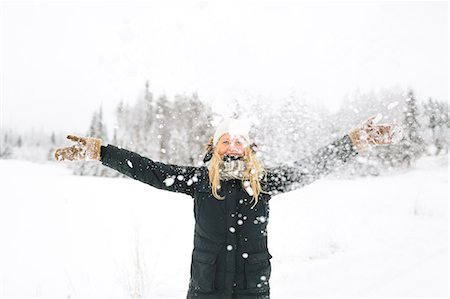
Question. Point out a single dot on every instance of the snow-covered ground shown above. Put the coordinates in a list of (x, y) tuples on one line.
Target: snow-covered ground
[(84, 237)]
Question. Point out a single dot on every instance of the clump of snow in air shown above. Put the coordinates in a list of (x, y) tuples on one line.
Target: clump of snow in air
[(239, 128), (163, 150), (396, 133), (189, 182), (263, 277), (230, 247), (245, 255), (240, 222), (232, 229), (130, 164), (377, 118), (180, 177), (249, 190), (392, 105), (169, 181)]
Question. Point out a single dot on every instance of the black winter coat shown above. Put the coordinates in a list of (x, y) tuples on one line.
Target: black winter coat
[(230, 258)]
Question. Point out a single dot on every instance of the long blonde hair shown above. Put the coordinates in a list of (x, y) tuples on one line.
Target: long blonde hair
[(253, 171)]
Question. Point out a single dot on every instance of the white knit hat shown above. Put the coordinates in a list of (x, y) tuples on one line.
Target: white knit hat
[(234, 127)]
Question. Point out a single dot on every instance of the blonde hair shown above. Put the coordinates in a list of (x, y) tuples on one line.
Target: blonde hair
[(252, 173)]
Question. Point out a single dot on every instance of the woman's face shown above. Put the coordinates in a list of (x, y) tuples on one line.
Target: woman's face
[(231, 146)]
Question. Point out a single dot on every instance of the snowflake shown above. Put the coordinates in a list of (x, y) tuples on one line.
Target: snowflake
[(129, 163), (169, 181)]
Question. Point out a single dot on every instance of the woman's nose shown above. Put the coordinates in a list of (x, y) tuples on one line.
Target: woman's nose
[(234, 145), (234, 148)]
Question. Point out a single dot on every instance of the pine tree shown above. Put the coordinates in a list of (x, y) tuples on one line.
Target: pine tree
[(19, 142), (51, 151), (430, 112), (436, 114), (147, 126), (163, 130), (122, 126), (5, 148), (413, 144), (200, 129), (97, 129)]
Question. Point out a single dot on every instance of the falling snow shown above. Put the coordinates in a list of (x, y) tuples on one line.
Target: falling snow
[(392, 105), (169, 181), (130, 164)]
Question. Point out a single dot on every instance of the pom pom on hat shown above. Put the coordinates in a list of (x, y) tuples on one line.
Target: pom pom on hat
[(234, 127)]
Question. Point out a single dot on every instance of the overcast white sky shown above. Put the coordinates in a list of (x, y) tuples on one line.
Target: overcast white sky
[(61, 60)]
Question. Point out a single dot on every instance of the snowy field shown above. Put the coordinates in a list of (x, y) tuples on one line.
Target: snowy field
[(64, 236)]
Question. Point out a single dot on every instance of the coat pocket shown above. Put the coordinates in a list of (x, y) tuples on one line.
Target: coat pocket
[(258, 269), (203, 270)]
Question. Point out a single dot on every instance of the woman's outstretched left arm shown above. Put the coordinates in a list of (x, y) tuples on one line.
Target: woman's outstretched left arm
[(303, 172), (328, 158)]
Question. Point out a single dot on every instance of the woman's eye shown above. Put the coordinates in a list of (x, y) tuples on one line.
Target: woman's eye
[(225, 142)]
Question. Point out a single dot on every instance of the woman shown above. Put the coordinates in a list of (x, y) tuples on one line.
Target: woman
[(231, 195)]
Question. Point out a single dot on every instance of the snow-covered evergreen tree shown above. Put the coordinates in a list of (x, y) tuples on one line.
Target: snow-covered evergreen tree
[(199, 129), (413, 144), (5, 147), (96, 129), (163, 116), (147, 127), (437, 115)]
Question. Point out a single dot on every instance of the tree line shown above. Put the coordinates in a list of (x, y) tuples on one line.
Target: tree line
[(176, 130)]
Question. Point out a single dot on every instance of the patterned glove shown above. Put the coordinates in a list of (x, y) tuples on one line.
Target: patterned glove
[(368, 134), (87, 148)]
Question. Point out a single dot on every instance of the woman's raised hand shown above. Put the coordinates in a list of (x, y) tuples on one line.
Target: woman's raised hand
[(368, 133), (87, 148)]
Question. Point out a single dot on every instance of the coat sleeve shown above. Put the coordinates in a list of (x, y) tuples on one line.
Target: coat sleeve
[(162, 176), (286, 178)]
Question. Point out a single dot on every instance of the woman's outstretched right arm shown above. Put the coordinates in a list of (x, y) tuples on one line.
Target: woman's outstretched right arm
[(162, 176)]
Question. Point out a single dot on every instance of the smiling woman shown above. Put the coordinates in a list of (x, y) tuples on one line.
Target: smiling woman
[(231, 194)]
